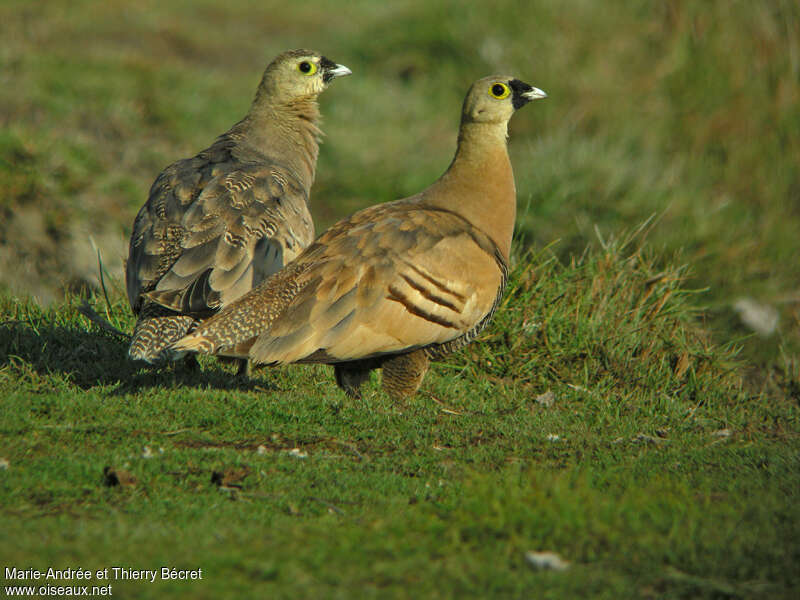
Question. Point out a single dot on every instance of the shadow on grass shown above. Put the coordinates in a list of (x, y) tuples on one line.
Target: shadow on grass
[(43, 355)]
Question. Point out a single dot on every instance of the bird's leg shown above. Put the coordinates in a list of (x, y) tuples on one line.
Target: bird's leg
[(351, 375), (245, 368), (403, 374), (190, 362)]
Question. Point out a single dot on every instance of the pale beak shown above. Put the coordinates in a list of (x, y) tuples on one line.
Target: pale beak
[(339, 71), (330, 70), (533, 94)]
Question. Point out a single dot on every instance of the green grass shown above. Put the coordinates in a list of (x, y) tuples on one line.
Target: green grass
[(667, 478), (675, 470)]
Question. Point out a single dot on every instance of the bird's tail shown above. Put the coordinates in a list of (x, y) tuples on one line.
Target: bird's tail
[(234, 329), (155, 332)]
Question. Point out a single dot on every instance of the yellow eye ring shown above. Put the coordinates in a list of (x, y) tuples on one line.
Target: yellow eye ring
[(499, 91), (307, 67)]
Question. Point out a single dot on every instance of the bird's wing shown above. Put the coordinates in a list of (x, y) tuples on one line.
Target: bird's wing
[(211, 231), (391, 278)]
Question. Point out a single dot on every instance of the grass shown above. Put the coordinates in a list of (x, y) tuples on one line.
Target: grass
[(653, 470), (666, 465)]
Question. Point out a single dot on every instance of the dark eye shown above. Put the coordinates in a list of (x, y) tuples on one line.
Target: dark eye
[(499, 91), (307, 68)]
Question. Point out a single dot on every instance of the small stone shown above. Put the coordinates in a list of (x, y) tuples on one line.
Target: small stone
[(546, 561), (547, 399), (297, 453), (761, 318)]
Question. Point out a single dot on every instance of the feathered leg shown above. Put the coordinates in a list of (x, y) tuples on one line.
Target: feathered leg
[(245, 368), (403, 374), (350, 376)]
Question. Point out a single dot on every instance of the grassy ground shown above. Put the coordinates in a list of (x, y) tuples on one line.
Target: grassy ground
[(649, 468), (675, 469)]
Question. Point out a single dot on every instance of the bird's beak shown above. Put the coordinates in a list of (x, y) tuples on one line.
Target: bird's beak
[(339, 71), (330, 70), (533, 94)]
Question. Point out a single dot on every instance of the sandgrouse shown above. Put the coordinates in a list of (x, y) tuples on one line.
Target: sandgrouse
[(216, 225), (397, 284)]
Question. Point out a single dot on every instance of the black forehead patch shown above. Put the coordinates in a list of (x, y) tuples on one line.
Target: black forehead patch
[(519, 88), (327, 66)]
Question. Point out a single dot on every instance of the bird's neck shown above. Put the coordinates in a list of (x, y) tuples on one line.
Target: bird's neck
[(287, 134), (479, 184)]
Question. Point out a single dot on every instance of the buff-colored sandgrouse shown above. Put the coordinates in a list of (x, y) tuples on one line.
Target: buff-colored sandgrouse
[(396, 284), (216, 225)]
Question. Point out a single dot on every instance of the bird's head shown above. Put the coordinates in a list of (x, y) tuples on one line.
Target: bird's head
[(494, 99), (299, 74)]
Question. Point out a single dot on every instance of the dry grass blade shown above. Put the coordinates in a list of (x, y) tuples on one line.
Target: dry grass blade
[(88, 312), (443, 407)]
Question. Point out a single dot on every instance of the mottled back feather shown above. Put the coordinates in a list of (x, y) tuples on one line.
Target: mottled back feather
[(216, 225)]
